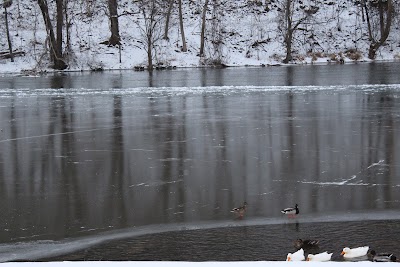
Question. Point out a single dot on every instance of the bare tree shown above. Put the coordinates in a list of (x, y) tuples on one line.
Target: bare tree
[(212, 38), (293, 17), (181, 25), (203, 28), (216, 33), (184, 47), (150, 28), (257, 27), (55, 44), (379, 15), (7, 4)]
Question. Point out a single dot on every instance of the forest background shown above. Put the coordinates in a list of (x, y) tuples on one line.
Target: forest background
[(40, 35)]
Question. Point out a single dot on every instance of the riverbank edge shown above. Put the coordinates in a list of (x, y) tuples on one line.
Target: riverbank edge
[(27, 72)]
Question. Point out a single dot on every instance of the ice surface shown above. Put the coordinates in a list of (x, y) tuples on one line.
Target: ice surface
[(161, 91)]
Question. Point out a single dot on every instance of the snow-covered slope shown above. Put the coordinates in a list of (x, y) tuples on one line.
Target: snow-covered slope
[(249, 33)]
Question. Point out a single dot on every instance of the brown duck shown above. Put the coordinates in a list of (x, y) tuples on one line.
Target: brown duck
[(240, 210)]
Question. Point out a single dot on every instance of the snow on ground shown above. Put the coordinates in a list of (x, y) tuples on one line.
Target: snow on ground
[(197, 264), (250, 38)]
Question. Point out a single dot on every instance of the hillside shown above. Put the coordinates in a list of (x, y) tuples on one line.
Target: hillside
[(238, 33)]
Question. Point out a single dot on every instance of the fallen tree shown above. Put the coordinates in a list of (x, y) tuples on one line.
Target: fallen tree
[(7, 55)]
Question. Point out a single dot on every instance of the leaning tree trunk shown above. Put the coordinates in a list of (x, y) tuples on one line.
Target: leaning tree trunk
[(203, 29), (184, 47), (168, 16), (115, 38), (54, 52), (6, 4)]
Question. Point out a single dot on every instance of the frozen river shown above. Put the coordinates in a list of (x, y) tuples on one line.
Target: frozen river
[(92, 158)]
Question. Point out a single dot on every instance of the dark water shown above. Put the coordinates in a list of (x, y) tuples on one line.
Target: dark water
[(164, 154), (255, 243)]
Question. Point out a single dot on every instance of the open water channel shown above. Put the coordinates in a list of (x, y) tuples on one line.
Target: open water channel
[(136, 166)]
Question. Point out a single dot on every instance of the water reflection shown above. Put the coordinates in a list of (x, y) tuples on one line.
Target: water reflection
[(72, 165)]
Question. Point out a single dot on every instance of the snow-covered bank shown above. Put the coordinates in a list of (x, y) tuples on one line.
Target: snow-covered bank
[(196, 264), (250, 36)]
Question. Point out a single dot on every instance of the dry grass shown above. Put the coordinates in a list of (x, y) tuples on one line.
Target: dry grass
[(353, 54)]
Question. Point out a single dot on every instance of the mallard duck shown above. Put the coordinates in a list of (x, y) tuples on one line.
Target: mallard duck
[(297, 256), (324, 256), (381, 257), (349, 253), (291, 212), (240, 210), (299, 243)]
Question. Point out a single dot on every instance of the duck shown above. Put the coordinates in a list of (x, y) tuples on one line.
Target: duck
[(297, 256), (299, 243), (324, 256), (291, 212), (240, 210), (349, 253), (381, 257)]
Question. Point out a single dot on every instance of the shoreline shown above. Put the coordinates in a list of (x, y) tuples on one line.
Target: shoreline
[(26, 72)]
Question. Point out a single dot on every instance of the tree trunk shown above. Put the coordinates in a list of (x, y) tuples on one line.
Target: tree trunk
[(381, 17), (58, 62), (149, 53), (115, 38), (166, 29), (151, 29), (288, 44), (289, 32), (67, 27), (59, 27), (203, 29), (384, 29), (368, 21), (8, 34), (184, 47), (49, 27)]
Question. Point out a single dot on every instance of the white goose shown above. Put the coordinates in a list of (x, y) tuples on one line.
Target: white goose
[(297, 256), (349, 253), (324, 256)]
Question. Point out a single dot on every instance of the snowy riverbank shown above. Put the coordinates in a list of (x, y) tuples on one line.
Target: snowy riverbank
[(250, 38)]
